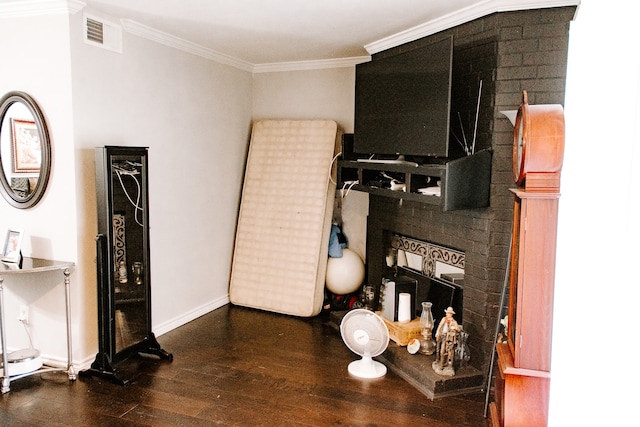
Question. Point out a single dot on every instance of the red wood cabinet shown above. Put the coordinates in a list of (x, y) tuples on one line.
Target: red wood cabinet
[(531, 293), (522, 395), (524, 361)]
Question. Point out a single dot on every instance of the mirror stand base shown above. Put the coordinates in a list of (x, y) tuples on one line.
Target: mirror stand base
[(116, 370), (103, 368), (149, 347)]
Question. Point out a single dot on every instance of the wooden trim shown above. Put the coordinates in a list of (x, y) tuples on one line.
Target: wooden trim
[(505, 363)]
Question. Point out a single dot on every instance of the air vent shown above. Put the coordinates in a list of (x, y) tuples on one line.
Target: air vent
[(102, 33), (95, 31)]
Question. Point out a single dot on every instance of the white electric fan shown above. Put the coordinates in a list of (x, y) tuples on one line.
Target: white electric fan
[(365, 333)]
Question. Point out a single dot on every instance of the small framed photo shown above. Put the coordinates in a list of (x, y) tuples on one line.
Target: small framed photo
[(12, 246)]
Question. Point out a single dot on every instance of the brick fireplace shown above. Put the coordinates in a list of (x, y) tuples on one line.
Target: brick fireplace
[(462, 232), (510, 52)]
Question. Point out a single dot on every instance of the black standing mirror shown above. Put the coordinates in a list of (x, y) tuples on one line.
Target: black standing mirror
[(25, 150), (123, 256)]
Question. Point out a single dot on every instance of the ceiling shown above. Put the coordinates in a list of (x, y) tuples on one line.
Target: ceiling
[(284, 31), (262, 33), (268, 31)]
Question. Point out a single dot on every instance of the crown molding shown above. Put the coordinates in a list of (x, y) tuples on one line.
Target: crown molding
[(310, 65), (462, 16), (166, 39), (18, 8)]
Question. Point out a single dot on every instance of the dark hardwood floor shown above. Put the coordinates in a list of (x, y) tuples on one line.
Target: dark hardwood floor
[(237, 367)]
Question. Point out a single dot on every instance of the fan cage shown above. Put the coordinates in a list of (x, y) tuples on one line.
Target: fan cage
[(369, 322)]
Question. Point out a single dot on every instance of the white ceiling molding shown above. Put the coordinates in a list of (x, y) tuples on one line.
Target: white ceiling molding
[(468, 14), (310, 65), (166, 39), (20, 8)]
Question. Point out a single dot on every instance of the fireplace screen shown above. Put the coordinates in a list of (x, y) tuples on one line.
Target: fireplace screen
[(438, 270)]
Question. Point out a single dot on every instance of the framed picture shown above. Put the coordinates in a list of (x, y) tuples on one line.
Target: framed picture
[(27, 155), (12, 245)]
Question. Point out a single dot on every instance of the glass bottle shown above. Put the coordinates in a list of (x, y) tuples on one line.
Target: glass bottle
[(427, 344), (137, 272), (462, 355)]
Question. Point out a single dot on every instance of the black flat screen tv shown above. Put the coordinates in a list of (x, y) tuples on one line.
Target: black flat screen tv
[(402, 103)]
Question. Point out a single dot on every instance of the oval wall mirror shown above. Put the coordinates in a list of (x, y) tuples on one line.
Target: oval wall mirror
[(25, 150)]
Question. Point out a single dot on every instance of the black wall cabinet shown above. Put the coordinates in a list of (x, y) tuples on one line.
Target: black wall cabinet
[(122, 245)]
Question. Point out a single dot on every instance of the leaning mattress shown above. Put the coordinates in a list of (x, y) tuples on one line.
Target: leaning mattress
[(280, 254)]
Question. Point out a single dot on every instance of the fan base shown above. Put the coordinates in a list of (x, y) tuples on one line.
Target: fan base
[(22, 362), (364, 368)]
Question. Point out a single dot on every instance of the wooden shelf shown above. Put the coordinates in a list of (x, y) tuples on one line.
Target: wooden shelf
[(464, 183)]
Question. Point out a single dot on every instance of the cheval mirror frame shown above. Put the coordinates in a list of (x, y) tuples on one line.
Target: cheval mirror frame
[(122, 246)]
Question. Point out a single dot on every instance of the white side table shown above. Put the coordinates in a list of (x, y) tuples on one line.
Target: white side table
[(31, 266)]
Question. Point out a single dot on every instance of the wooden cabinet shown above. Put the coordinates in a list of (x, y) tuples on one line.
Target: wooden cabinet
[(531, 290), (522, 395), (457, 184), (524, 361)]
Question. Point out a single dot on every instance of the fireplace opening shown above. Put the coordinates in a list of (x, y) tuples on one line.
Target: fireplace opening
[(434, 271)]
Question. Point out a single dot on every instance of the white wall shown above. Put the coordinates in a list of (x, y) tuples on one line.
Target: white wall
[(195, 117), (35, 59), (35, 55), (594, 372), (312, 94), (317, 94)]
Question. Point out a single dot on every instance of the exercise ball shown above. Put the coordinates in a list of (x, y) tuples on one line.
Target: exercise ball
[(345, 274)]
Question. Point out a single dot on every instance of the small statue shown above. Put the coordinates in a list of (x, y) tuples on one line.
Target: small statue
[(446, 340)]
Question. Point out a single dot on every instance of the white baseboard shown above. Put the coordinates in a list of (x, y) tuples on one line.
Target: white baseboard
[(157, 330), (187, 317)]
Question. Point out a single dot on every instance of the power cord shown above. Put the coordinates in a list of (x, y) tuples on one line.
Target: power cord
[(129, 169), (331, 167), (25, 323), (350, 185)]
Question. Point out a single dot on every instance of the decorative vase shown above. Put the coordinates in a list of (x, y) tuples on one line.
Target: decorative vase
[(427, 344), (462, 355)]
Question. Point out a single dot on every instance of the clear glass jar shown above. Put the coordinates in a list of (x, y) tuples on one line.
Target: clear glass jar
[(427, 343)]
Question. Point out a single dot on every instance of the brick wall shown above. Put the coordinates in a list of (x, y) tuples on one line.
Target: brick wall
[(510, 52)]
